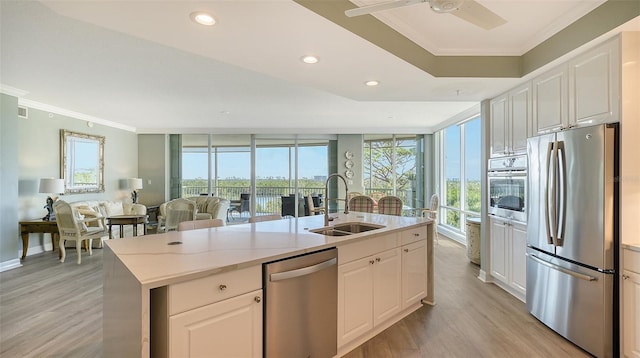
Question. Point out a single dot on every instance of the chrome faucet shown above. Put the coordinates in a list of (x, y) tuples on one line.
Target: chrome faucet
[(326, 197)]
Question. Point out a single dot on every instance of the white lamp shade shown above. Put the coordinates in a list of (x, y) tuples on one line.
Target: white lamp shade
[(51, 186), (135, 183)]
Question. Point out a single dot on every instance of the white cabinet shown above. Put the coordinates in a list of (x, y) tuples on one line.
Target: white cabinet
[(220, 315), (499, 249), (550, 101), (414, 273), (594, 85), (583, 91), (510, 121), (508, 255), (229, 328), (380, 280), (630, 302), (369, 293)]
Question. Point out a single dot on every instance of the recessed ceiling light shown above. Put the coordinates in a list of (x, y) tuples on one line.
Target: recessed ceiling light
[(203, 18), (372, 83), (309, 59)]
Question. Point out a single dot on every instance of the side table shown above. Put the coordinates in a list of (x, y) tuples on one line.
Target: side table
[(122, 220), (38, 226)]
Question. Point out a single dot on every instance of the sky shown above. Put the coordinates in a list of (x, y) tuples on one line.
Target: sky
[(472, 151)]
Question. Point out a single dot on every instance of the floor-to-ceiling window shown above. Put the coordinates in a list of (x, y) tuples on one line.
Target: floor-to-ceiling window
[(221, 165), (393, 166), (459, 182)]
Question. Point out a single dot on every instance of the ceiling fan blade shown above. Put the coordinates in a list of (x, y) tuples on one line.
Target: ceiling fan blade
[(478, 15), (368, 9)]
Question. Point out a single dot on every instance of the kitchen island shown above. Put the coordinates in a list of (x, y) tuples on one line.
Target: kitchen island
[(153, 283)]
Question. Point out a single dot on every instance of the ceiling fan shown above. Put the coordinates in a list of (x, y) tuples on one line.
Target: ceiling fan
[(468, 10)]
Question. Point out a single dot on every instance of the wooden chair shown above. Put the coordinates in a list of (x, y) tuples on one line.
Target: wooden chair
[(432, 213), (390, 205), (177, 211), (361, 203), (312, 209), (255, 219), (72, 226), (199, 224)]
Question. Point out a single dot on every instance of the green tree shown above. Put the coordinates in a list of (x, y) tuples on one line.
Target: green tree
[(378, 159)]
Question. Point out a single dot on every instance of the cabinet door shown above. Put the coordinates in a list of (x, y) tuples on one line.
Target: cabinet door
[(355, 299), (594, 85), (520, 118), (414, 273), (387, 281), (499, 116), (550, 101), (631, 314), (499, 254), (229, 328), (518, 260)]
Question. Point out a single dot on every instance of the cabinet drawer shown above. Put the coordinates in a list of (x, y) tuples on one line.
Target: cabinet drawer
[(366, 247), (631, 260), (203, 291), (413, 235)]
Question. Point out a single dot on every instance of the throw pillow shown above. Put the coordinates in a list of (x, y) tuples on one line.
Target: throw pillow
[(112, 209)]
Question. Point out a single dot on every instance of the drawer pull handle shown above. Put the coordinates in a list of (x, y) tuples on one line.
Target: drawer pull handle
[(625, 277), (377, 259), (406, 250), (222, 287), (372, 262), (416, 234), (257, 299)]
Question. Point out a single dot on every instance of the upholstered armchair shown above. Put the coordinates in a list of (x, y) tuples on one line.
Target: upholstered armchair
[(390, 205), (207, 207), (73, 226)]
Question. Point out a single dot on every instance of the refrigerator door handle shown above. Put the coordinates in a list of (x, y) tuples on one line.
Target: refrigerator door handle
[(562, 269), (554, 194), (547, 193), (562, 195)]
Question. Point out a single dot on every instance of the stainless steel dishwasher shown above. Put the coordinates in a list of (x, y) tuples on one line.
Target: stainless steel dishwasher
[(301, 306)]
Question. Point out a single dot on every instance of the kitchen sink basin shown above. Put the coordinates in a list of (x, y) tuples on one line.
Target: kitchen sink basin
[(346, 229)]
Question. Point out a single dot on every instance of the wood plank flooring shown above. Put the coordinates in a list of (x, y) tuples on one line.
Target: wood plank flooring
[(52, 309)]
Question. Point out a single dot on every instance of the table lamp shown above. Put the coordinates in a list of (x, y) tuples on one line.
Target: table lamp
[(51, 186), (135, 184)]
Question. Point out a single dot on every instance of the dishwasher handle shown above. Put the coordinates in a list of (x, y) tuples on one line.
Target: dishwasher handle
[(279, 276)]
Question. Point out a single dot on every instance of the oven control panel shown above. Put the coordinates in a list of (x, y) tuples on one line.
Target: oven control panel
[(508, 163)]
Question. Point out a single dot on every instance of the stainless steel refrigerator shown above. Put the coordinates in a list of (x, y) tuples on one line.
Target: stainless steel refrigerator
[(572, 235)]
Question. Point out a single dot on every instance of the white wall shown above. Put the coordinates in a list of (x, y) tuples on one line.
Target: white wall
[(38, 152)]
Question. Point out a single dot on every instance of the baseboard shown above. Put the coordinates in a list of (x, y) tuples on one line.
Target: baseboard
[(482, 276), (10, 265)]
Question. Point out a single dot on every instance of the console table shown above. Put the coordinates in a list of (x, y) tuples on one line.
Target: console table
[(38, 226), (127, 220)]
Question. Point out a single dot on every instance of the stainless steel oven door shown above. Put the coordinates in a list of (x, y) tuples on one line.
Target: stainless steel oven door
[(508, 194)]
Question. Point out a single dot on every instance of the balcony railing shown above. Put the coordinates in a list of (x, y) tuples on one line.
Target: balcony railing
[(269, 199)]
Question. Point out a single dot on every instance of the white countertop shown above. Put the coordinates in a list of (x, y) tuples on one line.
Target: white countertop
[(153, 262)]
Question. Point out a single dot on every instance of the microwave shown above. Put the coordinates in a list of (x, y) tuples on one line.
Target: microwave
[(507, 181)]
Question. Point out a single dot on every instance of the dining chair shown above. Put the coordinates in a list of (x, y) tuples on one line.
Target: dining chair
[(390, 205), (269, 217), (312, 209), (177, 211), (73, 226), (199, 224), (432, 213), (361, 203)]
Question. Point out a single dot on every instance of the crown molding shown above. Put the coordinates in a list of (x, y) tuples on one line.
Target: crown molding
[(12, 91), (65, 112)]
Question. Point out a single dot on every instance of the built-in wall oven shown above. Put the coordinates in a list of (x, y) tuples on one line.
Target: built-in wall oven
[(507, 180)]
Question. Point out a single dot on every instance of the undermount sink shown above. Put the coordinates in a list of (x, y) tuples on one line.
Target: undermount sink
[(346, 229)]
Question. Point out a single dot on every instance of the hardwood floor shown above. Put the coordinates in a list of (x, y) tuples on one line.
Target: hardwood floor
[(49, 309)]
